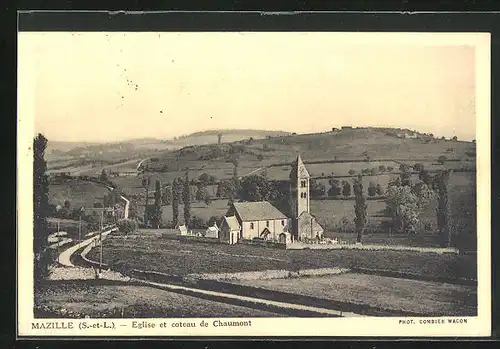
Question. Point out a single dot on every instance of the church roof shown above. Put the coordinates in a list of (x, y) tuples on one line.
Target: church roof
[(298, 167), (255, 211)]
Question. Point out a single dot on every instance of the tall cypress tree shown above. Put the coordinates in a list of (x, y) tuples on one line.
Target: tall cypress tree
[(359, 208), (443, 220), (175, 202), (40, 208), (157, 208), (187, 200)]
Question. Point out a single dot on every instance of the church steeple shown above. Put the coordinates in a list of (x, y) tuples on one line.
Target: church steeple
[(299, 181)]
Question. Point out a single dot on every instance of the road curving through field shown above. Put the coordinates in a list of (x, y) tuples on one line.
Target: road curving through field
[(65, 256)]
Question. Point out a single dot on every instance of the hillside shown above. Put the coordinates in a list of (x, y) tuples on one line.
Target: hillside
[(350, 144), (228, 136)]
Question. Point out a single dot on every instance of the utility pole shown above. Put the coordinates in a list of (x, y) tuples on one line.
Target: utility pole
[(100, 240), (58, 241)]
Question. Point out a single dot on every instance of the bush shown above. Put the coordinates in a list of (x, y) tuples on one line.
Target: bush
[(442, 159), (351, 172), (127, 226), (372, 189)]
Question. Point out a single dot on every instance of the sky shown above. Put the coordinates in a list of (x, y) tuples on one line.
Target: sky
[(117, 86)]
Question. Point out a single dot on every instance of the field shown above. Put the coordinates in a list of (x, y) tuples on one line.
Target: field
[(398, 295), (100, 300), (150, 252), (198, 209), (78, 192)]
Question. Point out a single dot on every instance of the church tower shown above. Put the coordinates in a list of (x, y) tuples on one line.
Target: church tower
[(299, 191)]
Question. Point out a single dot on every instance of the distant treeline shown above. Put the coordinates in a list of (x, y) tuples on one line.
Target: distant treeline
[(356, 160)]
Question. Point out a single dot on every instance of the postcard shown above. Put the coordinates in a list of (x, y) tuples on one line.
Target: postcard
[(253, 184)]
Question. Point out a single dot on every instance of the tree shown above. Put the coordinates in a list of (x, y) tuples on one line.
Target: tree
[(103, 177), (346, 189), (454, 138), (167, 196), (187, 200), (418, 167), (204, 178), (372, 189), (40, 208), (254, 188), (214, 220), (176, 194), (359, 208), (379, 190), (443, 219), (156, 219), (382, 168), (335, 189), (351, 171), (442, 159), (390, 168), (67, 204), (208, 199), (404, 205), (127, 226), (317, 189), (226, 189), (425, 177), (405, 175), (201, 193)]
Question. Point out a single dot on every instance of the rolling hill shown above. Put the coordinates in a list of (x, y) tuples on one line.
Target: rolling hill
[(340, 145)]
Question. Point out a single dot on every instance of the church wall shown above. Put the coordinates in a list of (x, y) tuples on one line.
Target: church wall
[(275, 227)]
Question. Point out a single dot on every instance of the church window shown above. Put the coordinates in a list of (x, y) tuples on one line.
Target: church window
[(267, 224), (251, 225), (282, 222), (303, 184)]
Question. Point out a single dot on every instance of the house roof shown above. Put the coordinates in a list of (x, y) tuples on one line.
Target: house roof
[(257, 211), (232, 223), (214, 228)]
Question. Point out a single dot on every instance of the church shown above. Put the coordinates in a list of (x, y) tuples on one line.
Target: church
[(262, 220)]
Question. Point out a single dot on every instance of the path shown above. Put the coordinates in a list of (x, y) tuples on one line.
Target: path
[(250, 173), (65, 256), (229, 296)]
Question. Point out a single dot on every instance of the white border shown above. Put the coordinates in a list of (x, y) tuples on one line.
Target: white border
[(265, 327)]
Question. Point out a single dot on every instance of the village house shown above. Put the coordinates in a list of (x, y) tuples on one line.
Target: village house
[(229, 230), (212, 232)]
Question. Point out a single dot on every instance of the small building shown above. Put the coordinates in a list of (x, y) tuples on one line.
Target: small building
[(229, 230), (212, 232), (346, 127), (308, 227), (183, 230), (259, 220), (285, 238)]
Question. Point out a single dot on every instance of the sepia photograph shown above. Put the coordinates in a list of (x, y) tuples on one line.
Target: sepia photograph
[(238, 177)]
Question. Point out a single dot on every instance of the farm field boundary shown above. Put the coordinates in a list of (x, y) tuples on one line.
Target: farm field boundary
[(370, 247), (412, 276)]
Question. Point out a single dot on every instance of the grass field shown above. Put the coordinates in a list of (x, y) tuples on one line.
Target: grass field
[(150, 252), (79, 193), (198, 209), (426, 298), (98, 300)]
